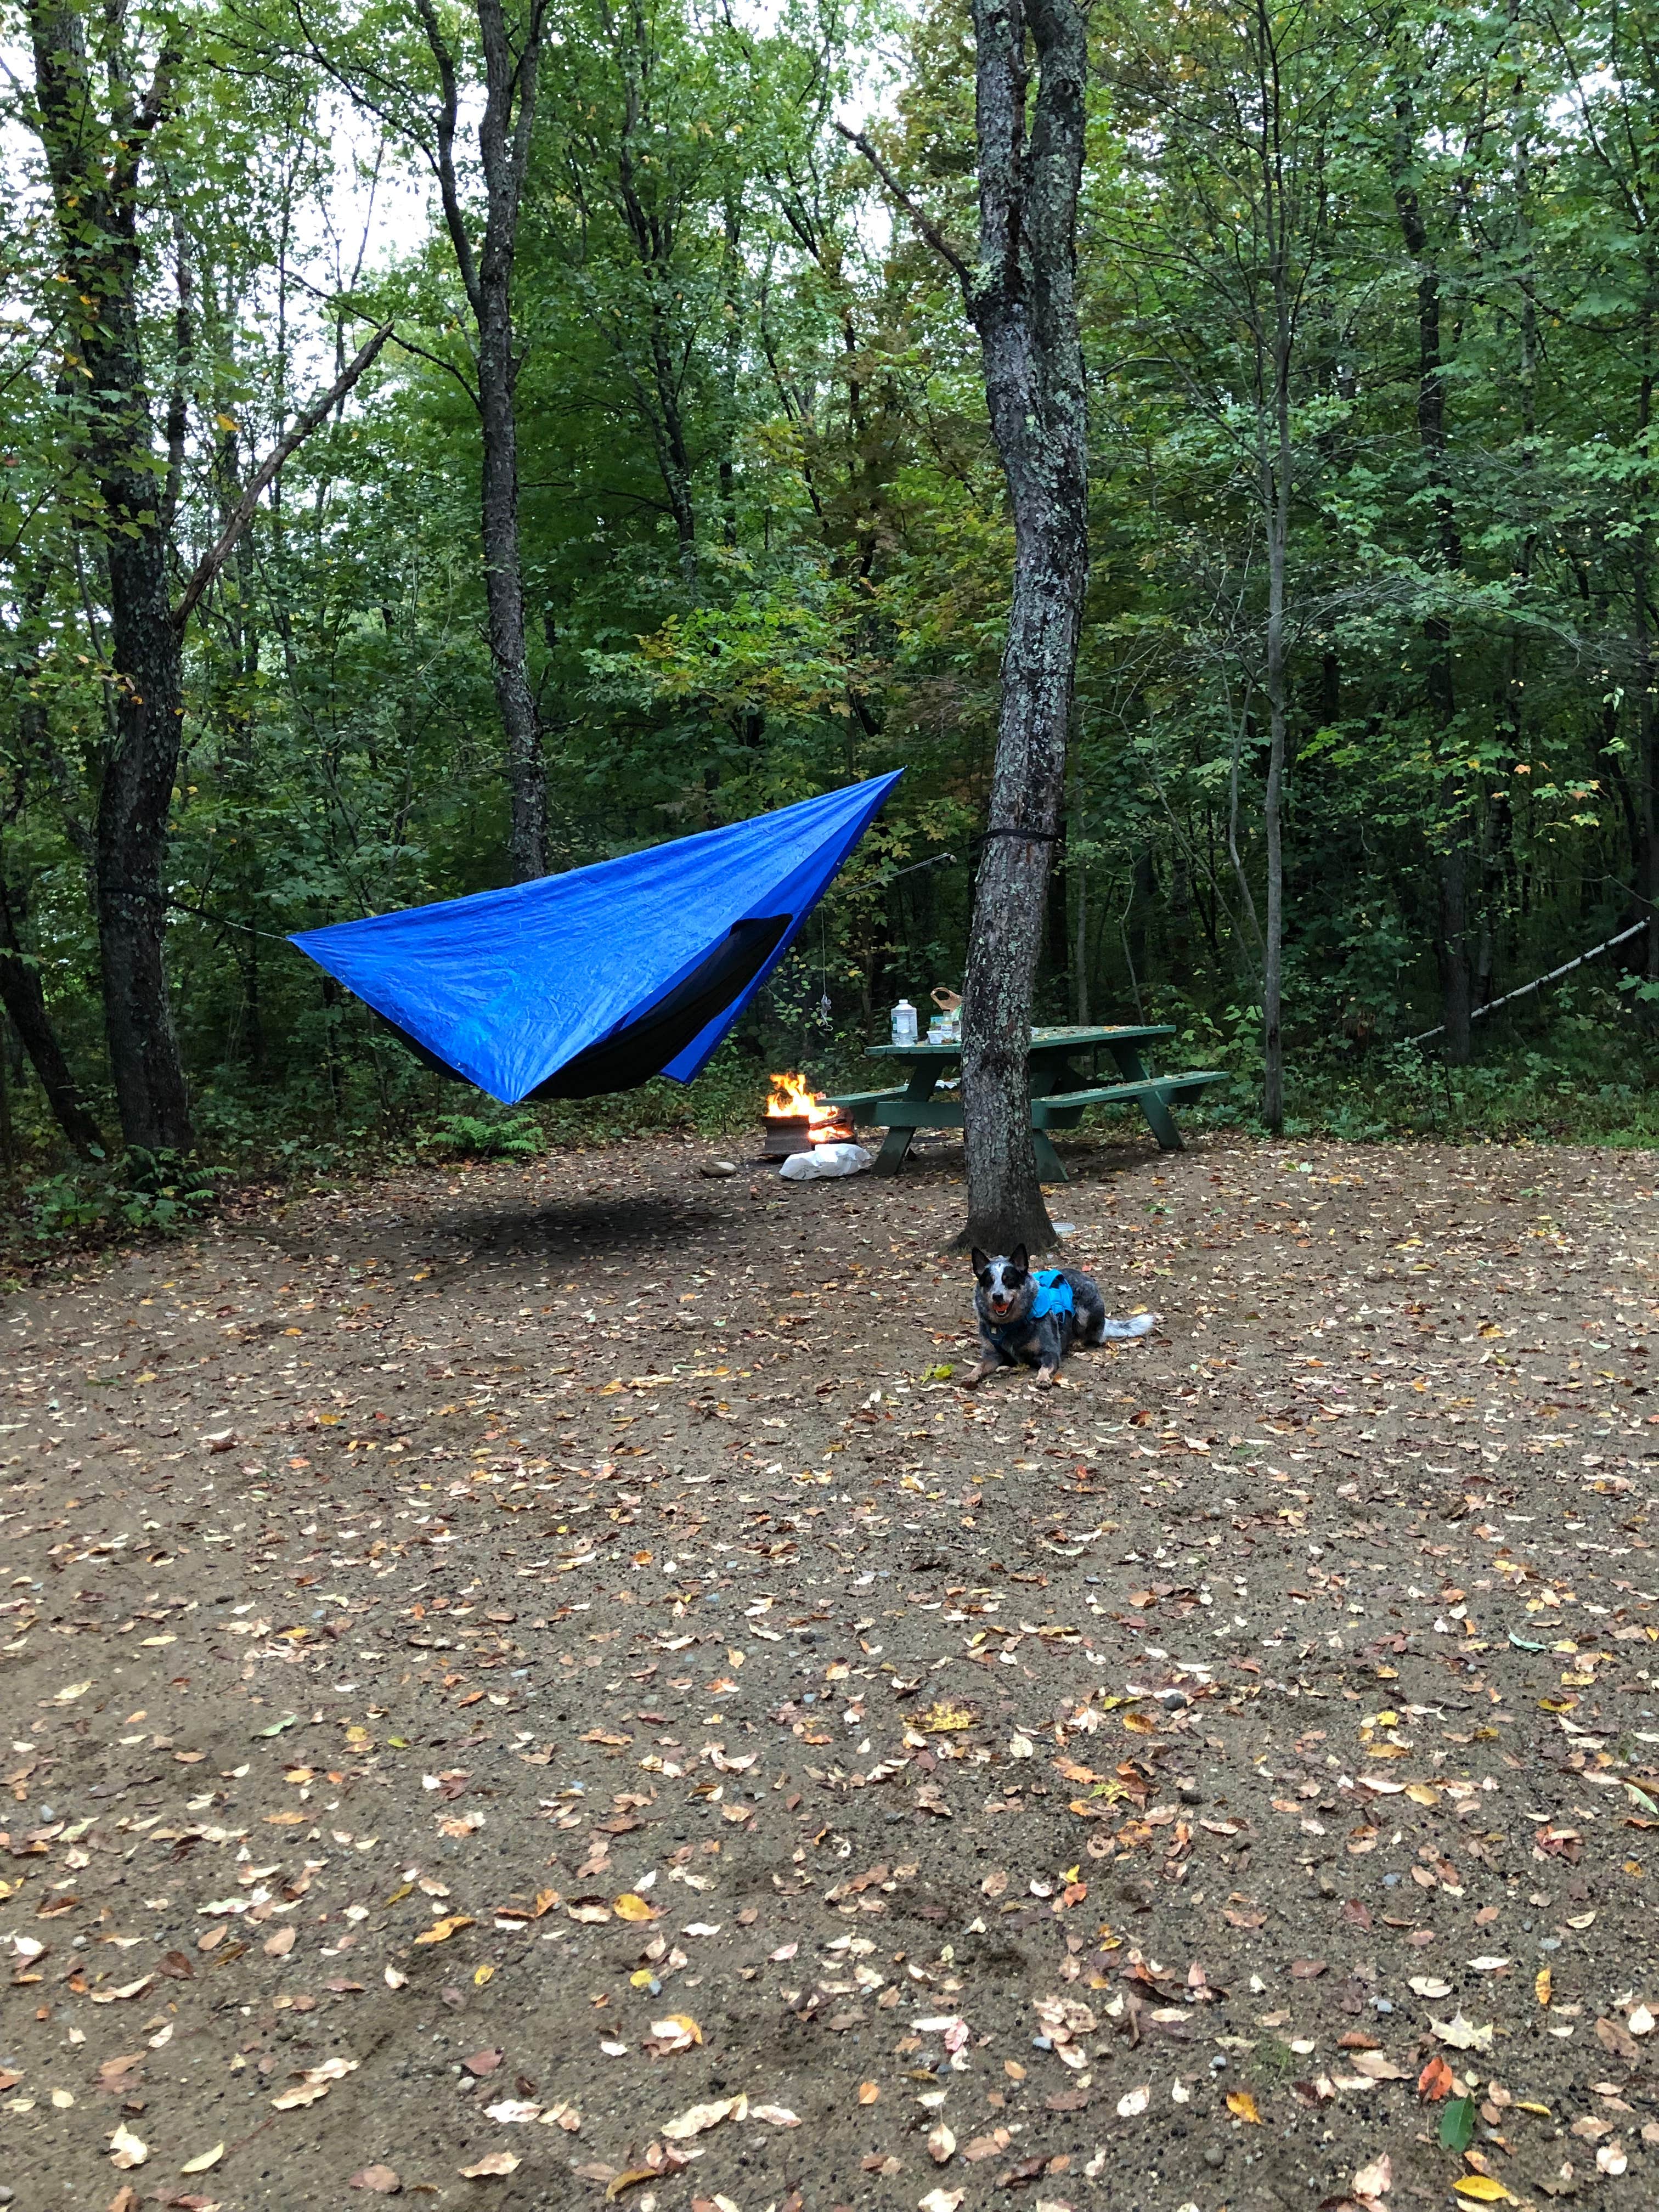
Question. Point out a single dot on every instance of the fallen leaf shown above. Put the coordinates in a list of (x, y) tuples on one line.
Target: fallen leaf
[(279, 1945), (868, 2092), (1542, 1985), (316, 2082), (940, 1719), (128, 1989), (1425, 1985), (1461, 2034), (1241, 2105), (1375, 2179), (1483, 2188), (1376, 2066), (442, 1931), (493, 2163), (203, 2159), (125, 2149), (1132, 2102), (941, 2200), (775, 2115), (698, 2118), (1435, 2081), (941, 2145), (1457, 2125), (483, 2062), (379, 2180), (634, 2176), (1613, 2036), (627, 1906)]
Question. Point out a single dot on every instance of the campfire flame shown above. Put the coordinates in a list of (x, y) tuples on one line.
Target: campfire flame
[(790, 1096)]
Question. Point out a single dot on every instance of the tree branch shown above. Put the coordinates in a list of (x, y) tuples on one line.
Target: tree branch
[(924, 222), (211, 563), (437, 362), (448, 189)]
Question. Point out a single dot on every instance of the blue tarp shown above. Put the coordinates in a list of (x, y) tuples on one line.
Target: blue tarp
[(508, 987)]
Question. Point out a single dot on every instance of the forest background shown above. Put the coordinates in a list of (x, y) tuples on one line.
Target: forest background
[(658, 491)]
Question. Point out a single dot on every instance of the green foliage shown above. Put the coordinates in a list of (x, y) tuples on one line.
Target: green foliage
[(476, 1137), (143, 1193), (1457, 2125), (766, 548)]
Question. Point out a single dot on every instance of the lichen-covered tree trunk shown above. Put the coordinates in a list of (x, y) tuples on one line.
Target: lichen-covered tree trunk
[(1023, 301)]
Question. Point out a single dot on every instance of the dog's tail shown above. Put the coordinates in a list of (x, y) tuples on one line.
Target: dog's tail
[(1137, 1325)]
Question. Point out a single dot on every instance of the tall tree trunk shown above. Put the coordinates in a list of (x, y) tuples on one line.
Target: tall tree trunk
[(1143, 890), (1273, 413), (1080, 882), (96, 204), (1276, 500), (1452, 835), (504, 134), (515, 700), (132, 829), (1273, 810), (1023, 301), (1646, 765), (23, 998)]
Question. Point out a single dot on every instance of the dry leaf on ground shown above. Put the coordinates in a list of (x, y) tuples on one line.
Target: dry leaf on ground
[(491, 2166)]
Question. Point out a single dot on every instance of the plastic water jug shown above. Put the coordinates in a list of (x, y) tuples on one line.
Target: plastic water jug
[(904, 1023)]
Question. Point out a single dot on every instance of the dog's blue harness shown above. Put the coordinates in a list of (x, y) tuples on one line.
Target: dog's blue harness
[(1053, 1296)]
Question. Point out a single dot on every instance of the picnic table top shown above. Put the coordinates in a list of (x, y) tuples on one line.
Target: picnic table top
[(1042, 1041)]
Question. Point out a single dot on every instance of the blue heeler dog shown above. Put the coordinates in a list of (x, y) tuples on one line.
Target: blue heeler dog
[(1038, 1316)]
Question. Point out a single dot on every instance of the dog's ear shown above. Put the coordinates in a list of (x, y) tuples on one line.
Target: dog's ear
[(1021, 1259), (978, 1261)]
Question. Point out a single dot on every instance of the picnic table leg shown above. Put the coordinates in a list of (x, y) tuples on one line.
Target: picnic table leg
[(893, 1146), (1159, 1119), (1049, 1075), (896, 1143), (1049, 1165)]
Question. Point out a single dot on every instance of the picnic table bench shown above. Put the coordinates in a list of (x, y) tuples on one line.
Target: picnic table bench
[(1061, 1090)]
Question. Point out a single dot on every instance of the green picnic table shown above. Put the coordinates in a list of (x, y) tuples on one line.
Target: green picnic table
[(1062, 1087)]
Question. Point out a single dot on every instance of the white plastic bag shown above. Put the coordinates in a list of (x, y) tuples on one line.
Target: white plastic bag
[(826, 1160)]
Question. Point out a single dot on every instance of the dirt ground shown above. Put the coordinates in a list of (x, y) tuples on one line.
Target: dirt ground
[(531, 1687)]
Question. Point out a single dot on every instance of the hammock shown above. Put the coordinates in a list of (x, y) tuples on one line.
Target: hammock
[(601, 978)]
